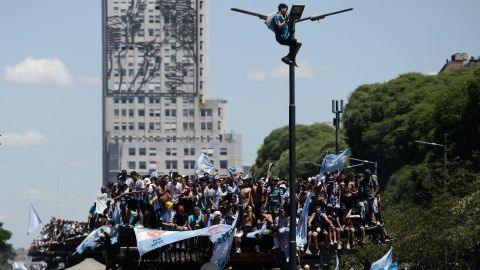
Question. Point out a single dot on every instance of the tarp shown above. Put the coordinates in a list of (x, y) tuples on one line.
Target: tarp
[(87, 264)]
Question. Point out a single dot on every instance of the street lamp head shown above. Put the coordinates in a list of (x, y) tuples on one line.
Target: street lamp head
[(296, 12)]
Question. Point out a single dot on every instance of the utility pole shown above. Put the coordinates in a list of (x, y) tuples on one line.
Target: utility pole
[(337, 109), (294, 17)]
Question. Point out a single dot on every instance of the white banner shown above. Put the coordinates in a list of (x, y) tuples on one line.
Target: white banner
[(150, 239), (222, 244)]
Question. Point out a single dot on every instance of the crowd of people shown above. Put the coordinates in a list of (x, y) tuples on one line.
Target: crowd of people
[(57, 231), (343, 208)]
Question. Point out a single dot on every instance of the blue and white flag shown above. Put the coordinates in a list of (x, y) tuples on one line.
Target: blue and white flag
[(337, 263), (394, 265), (262, 231), (91, 241), (303, 223), (117, 219), (33, 221), (383, 263), (232, 170), (203, 164), (334, 162), (222, 245), (150, 239)]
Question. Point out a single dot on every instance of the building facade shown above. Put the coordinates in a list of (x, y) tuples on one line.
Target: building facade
[(460, 60), (156, 114)]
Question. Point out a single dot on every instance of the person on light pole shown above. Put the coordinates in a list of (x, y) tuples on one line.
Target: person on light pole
[(284, 36)]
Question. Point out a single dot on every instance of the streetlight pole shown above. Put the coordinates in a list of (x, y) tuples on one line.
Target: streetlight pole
[(294, 17), (445, 149), (337, 110), (367, 161)]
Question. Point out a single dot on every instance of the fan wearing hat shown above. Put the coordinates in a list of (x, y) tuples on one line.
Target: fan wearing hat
[(217, 218)]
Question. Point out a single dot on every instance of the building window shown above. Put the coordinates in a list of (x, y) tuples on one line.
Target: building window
[(142, 165), (171, 164), (170, 112), (151, 126), (206, 112), (131, 165), (209, 125), (170, 126), (116, 112), (142, 151), (188, 100), (116, 126), (171, 151), (188, 164), (130, 112), (208, 151), (152, 151), (189, 151), (223, 151), (154, 112), (131, 151), (141, 99), (141, 125), (188, 126), (131, 126), (223, 164), (141, 112), (152, 166), (188, 112), (124, 112), (124, 126)]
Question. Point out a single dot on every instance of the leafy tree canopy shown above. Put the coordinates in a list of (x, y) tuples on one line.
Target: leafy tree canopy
[(6, 251), (313, 142)]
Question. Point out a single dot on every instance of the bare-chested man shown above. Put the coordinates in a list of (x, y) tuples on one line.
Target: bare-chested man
[(259, 196), (246, 194)]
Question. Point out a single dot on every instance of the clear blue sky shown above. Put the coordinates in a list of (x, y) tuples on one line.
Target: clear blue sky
[(50, 70)]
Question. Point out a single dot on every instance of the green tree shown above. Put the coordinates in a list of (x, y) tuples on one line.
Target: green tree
[(313, 142), (6, 251), (433, 221)]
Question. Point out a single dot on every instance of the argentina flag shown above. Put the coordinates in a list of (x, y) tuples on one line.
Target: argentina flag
[(203, 164), (333, 162), (91, 241)]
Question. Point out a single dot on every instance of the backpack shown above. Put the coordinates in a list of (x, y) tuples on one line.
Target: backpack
[(269, 21)]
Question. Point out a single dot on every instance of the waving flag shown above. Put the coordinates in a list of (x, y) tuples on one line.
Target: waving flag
[(262, 231), (150, 239), (333, 162), (92, 239), (203, 164), (34, 220), (222, 245), (383, 263), (117, 219), (303, 223)]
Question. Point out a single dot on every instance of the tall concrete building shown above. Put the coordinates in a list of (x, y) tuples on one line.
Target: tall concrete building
[(156, 114)]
